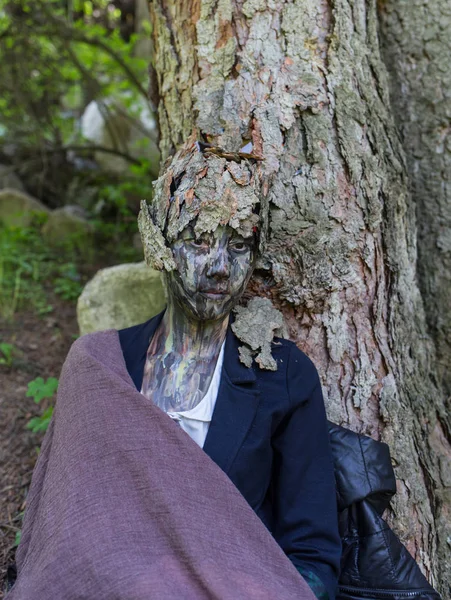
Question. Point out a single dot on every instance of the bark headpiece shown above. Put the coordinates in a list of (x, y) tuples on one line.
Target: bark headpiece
[(202, 186)]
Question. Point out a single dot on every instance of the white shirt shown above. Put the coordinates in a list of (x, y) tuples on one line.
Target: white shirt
[(195, 422)]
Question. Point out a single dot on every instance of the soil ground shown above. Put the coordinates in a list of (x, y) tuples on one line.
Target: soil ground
[(41, 345)]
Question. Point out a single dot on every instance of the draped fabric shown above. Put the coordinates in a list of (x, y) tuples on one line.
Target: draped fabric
[(125, 506)]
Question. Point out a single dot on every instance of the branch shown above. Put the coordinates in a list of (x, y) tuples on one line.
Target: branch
[(75, 148), (99, 44)]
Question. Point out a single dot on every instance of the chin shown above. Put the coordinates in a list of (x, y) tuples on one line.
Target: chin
[(210, 309)]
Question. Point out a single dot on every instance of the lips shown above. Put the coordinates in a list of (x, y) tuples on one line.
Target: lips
[(214, 293)]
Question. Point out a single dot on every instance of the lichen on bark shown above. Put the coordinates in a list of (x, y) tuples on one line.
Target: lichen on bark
[(256, 325), (156, 252)]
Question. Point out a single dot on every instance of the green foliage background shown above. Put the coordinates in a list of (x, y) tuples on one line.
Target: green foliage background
[(57, 56)]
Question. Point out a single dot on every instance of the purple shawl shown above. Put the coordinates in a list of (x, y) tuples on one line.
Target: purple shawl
[(124, 505)]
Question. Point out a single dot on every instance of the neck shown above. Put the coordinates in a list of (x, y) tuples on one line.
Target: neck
[(179, 334)]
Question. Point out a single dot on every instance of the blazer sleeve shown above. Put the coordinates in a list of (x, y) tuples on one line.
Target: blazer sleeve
[(304, 496)]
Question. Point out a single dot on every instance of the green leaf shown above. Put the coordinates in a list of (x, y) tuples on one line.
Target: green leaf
[(7, 351), (37, 424), (17, 538), (39, 389)]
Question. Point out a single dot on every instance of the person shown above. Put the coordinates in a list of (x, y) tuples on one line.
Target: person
[(209, 391), (277, 453)]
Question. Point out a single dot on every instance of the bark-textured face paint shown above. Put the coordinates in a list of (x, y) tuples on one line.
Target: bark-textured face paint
[(212, 271), (181, 360), (211, 274), (204, 231)]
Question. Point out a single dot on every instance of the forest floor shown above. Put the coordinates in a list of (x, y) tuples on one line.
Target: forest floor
[(40, 347)]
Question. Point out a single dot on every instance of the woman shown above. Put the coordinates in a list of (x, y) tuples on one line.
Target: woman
[(264, 424), (284, 467)]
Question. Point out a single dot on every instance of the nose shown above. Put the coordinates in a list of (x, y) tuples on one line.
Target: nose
[(219, 265)]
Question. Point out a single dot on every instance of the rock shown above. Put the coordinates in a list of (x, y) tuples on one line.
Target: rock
[(114, 127), (80, 194), (8, 179), (67, 227), (18, 208), (73, 210), (119, 297)]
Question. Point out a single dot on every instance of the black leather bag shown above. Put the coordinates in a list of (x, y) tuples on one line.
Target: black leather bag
[(375, 565)]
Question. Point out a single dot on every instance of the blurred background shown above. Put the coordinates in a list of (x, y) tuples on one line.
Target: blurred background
[(78, 151)]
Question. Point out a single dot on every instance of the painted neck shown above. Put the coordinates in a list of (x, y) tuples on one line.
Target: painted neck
[(186, 336)]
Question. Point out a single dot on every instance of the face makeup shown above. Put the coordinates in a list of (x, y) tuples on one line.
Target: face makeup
[(212, 272), (201, 231)]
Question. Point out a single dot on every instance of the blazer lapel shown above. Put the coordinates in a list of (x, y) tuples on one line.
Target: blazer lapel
[(235, 409)]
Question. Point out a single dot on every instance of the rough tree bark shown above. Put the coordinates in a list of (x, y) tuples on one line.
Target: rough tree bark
[(305, 81), (417, 45)]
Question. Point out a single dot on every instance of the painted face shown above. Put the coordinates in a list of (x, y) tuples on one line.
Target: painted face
[(212, 271)]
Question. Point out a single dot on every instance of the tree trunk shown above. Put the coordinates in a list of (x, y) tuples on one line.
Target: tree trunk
[(417, 47), (305, 82)]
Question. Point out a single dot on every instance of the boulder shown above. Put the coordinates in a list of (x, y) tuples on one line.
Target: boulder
[(128, 130), (18, 208), (8, 179), (67, 227), (120, 296), (73, 210)]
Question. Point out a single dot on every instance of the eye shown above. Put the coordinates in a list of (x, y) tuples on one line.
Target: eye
[(239, 246), (198, 243)]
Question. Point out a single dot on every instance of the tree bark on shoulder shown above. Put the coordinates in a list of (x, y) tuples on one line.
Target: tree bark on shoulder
[(305, 82)]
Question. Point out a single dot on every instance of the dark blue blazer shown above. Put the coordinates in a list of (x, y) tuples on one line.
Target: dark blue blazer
[(269, 434)]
